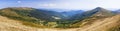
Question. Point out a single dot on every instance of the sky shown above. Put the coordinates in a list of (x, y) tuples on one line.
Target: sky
[(62, 4)]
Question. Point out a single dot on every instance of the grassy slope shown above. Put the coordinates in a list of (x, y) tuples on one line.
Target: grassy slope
[(30, 16), (21, 14), (18, 13), (102, 24), (90, 16), (7, 24)]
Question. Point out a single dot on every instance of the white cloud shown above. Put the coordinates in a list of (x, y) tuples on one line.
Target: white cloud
[(18, 1)]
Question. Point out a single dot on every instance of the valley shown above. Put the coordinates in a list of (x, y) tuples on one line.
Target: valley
[(31, 19)]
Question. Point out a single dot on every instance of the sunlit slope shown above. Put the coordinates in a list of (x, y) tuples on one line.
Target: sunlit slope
[(101, 24), (106, 24), (12, 25), (7, 24)]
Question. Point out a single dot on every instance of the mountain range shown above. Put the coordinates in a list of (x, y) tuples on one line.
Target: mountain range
[(70, 19)]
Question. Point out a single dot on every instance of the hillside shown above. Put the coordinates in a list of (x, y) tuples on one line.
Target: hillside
[(97, 12), (90, 16), (7, 24), (32, 15), (30, 12), (103, 24)]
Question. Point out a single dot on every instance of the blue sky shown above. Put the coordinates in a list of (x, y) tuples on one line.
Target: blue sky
[(62, 4)]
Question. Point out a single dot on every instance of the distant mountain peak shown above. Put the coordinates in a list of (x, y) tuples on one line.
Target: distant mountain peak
[(98, 7), (98, 11), (101, 11)]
